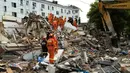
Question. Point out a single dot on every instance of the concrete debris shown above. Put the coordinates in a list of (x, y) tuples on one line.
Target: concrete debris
[(80, 50)]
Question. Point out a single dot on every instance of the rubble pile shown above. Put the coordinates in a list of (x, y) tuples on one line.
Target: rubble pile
[(80, 51)]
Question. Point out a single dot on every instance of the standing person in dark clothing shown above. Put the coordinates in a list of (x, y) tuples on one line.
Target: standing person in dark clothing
[(79, 21), (44, 47), (76, 20), (46, 18), (70, 20), (48, 33)]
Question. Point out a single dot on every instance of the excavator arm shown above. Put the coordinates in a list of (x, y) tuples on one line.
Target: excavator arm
[(106, 19), (125, 5)]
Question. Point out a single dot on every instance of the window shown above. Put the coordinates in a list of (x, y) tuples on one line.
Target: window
[(21, 2), (41, 9), (73, 12), (69, 12), (43, 14), (5, 8), (61, 10), (52, 8), (57, 12), (48, 7), (34, 4), (42, 6), (76, 11), (27, 2), (65, 11), (76, 16), (14, 14), (13, 4), (4, 0), (21, 10), (34, 12)]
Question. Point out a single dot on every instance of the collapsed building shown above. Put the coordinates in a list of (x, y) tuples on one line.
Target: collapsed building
[(79, 51)]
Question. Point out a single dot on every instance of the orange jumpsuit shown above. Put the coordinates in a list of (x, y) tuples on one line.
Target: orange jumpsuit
[(51, 49), (56, 44), (55, 23), (75, 24), (61, 22), (50, 18)]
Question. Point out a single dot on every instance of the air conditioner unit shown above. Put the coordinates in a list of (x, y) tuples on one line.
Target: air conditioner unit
[(33, 7), (41, 9)]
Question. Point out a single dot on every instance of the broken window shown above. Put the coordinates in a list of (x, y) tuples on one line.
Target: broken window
[(43, 14), (13, 4), (61, 10), (52, 8), (14, 14), (21, 2), (5, 8), (27, 2), (42, 6), (21, 11), (57, 12)]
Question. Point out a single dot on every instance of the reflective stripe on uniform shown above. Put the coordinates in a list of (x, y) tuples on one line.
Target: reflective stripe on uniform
[(51, 59)]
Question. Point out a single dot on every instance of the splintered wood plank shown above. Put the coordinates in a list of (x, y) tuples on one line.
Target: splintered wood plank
[(9, 70)]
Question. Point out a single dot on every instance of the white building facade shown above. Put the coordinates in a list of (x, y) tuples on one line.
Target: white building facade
[(21, 8)]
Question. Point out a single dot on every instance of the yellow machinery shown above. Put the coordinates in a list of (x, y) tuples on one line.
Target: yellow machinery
[(106, 19)]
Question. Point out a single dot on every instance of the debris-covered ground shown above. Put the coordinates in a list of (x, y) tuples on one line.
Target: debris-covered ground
[(80, 51)]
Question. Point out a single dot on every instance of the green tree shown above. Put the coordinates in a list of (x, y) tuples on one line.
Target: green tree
[(94, 16)]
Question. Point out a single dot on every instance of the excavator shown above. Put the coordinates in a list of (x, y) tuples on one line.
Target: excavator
[(106, 19), (105, 16)]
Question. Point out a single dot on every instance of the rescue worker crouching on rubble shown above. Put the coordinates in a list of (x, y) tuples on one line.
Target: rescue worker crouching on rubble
[(51, 48), (44, 47)]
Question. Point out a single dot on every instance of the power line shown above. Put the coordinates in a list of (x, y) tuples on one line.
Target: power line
[(84, 2)]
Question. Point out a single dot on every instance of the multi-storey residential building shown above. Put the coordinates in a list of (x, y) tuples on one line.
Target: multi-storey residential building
[(21, 8)]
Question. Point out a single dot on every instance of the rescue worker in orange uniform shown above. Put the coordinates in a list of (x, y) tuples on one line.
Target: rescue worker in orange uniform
[(55, 24), (51, 48), (61, 22), (64, 20), (75, 23), (50, 18), (56, 43)]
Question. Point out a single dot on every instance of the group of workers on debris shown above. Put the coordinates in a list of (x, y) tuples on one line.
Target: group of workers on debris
[(50, 43), (55, 21)]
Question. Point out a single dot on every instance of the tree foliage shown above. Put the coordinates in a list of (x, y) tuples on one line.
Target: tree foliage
[(120, 18)]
